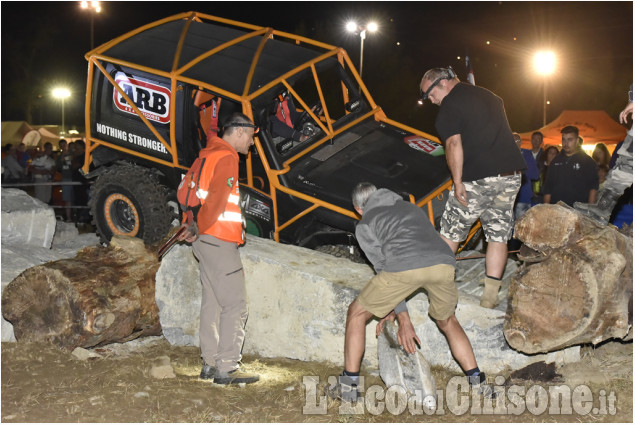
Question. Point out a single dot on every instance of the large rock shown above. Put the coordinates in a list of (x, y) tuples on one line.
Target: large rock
[(484, 329), (26, 220), (298, 301), (411, 373), (470, 272), (178, 296), (30, 237)]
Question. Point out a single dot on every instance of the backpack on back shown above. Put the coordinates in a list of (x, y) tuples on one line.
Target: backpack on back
[(186, 193), (192, 190), (194, 185)]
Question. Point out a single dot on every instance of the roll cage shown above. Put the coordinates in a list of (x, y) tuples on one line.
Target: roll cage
[(249, 52)]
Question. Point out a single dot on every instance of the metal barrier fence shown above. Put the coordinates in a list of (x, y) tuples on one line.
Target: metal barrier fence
[(52, 183)]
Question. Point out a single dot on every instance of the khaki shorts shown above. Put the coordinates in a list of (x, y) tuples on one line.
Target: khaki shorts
[(385, 290)]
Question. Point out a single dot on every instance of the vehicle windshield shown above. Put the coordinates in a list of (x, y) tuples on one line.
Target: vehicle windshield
[(284, 111)]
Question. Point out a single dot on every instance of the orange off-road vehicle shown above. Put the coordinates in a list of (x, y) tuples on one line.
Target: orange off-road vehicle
[(154, 94)]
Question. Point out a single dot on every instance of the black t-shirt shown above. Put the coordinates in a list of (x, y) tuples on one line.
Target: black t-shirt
[(570, 178), (478, 115)]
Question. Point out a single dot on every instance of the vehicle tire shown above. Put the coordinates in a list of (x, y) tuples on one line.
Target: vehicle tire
[(343, 251), (129, 200)]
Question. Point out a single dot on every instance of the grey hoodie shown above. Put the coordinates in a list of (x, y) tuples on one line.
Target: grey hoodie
[(397, 235)]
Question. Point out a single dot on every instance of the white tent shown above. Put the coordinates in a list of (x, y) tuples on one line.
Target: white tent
[(14, 131)]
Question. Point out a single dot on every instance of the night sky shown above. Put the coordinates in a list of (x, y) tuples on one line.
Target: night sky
[(43, 45)]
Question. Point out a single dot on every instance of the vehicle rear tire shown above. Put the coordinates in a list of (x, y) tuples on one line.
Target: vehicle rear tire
[(129, 200)]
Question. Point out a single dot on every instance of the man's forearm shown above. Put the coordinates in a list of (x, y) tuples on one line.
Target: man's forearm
[(454, 157), (403, 317)]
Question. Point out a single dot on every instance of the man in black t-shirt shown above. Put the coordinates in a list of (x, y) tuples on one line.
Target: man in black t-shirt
[(572, 175), (486, 167)]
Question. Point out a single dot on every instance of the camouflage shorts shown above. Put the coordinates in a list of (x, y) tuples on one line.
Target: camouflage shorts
[(492, 200), (621, 175)]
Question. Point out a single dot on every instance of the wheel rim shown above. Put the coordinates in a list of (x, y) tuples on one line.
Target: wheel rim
[(121, 215)]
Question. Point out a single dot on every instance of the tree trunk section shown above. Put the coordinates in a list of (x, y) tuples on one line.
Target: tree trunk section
[(102, 295), (579, 288)]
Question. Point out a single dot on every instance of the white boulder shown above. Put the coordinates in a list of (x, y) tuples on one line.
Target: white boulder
[(29, 230), (26, 220), (298, 301)]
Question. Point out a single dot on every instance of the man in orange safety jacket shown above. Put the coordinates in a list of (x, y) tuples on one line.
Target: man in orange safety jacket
[(215, 234)]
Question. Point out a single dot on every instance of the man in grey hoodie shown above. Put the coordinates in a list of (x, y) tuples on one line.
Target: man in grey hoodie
[(407, 254)]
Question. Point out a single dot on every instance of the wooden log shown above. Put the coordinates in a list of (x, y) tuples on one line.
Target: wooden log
[(102, 295), (580, 288), (554, 226)]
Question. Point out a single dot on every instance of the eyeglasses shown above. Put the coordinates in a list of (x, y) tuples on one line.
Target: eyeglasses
[(425, 94), (243, 124)]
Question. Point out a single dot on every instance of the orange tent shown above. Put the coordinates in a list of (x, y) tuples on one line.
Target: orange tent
[(594, 126)]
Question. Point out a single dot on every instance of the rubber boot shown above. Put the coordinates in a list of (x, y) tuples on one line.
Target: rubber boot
[(600, 212), (489, 299)]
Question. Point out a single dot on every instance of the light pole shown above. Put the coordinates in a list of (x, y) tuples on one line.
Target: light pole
[(545, 65), (62, 93), (92, 7), (353, 27)]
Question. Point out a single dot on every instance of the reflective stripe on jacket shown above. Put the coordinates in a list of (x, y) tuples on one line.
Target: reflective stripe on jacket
[(229, 225)]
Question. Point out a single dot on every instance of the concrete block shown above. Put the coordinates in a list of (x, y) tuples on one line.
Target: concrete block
[(26, 220)]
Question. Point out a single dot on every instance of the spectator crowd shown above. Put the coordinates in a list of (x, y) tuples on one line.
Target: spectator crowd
[(563, 173), (42, 167)]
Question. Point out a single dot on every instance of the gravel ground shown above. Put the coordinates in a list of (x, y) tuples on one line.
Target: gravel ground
[(150, 381)]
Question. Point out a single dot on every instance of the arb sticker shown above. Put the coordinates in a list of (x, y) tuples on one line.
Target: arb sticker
[(152, 100), (425, 145)]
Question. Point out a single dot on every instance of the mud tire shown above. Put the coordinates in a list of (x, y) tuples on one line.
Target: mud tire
[(129, 200), (343, 251)]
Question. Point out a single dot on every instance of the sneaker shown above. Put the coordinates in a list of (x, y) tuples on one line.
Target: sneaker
[(480, 382), (207, 372), (345, 389), (235, 376)]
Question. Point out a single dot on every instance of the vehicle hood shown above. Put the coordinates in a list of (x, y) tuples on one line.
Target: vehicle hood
[(371, 152)]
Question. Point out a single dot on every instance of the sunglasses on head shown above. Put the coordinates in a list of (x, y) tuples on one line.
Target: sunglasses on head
[(243, 124)]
